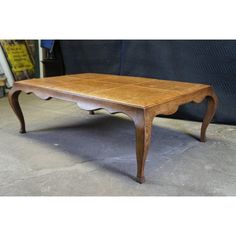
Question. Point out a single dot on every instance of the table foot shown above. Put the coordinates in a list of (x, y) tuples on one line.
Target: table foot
[(140, 180), (22, 131)]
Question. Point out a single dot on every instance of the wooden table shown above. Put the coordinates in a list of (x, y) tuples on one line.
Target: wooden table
[(141, 99)]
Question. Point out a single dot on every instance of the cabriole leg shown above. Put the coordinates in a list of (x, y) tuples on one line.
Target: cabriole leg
[(143, 126), (14, 102), (211, 109)]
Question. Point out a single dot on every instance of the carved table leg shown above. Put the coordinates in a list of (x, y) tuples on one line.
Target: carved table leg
[(143, 126), (211, 109), (13, 100)]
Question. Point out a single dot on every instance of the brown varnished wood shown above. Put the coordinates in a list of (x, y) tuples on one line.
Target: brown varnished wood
[(211, 109), (141, 99), (143, 127), (14, 102)]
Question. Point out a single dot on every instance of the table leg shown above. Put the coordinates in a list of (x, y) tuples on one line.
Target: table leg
[(14, 102), (143, 126), (211, 109), (91, 112)]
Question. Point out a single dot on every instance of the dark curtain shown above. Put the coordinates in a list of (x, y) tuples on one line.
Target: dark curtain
[(201, 61)]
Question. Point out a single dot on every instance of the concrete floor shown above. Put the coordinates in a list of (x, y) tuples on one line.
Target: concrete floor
[(71, 153)]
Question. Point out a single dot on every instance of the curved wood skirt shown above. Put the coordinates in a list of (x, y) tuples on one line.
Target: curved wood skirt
[(141, 99)]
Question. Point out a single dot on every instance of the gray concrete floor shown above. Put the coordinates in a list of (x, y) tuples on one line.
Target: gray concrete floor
[(71, 153)]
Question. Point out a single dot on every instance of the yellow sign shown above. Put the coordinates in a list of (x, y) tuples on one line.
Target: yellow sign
[(19, 58)]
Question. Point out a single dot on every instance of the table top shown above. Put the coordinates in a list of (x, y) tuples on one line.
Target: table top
[(133, 91)]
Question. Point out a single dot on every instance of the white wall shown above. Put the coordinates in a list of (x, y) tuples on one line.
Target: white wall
[(6, 69), (1, 70)]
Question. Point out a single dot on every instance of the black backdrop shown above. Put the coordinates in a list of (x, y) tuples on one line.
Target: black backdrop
[(202, 61)]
